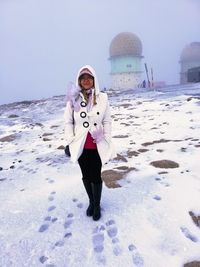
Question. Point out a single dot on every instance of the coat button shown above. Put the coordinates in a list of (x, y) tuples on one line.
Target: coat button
[(95, 124), (86, 124), (83, 114), (97, 112), (83, 104)]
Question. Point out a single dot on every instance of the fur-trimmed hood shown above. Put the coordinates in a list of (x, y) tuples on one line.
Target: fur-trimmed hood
[(96, 83)]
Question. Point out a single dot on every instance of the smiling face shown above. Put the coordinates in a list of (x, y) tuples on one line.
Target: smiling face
[(86, 81)]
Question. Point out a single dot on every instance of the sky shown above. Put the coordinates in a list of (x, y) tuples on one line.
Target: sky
[(44, 43)]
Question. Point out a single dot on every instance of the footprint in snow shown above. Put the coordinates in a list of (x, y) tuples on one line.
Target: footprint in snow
[(68, 235), (79, 204), (136, 256), (156, 197), (50, 198), (51, 181), (69, 220), (53, 220), (162, 182), (48, 219), (51, 208), (28, 170), (59, 243), (188, 234), (43, 227), (46, 225), (43, 259), (98, 243), (112, 233)]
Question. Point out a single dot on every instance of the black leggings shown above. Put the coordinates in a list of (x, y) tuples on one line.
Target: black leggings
[(90, 164)]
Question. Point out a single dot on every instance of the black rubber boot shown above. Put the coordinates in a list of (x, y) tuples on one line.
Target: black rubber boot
[(96, 190), (88, 188)]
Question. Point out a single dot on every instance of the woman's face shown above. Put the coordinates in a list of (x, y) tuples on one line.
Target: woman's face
[(86, 81)]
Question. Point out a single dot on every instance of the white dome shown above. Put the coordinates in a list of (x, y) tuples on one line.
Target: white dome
[(125, 43), (191, 52)]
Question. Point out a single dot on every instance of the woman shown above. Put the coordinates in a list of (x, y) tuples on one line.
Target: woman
[(88, 133)]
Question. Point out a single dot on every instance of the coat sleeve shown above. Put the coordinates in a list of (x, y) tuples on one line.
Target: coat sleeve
[(107, 121), (69, 124)]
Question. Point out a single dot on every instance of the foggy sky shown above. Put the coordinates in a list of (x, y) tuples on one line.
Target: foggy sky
[(43, 43)]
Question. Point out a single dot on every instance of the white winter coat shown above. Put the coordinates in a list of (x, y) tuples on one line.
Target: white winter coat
[(78, 124)]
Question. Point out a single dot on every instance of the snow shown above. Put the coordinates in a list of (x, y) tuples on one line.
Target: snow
[(145, 222)]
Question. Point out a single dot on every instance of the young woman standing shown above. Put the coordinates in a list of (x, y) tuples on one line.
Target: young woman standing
[(88, 133)]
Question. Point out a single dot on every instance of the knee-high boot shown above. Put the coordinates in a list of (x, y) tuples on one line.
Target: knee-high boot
[(96, 190), (88, 188)]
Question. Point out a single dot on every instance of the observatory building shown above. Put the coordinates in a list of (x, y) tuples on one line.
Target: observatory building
[(190, 63), (125, 59)]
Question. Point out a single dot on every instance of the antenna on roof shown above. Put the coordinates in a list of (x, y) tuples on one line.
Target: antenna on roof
[(149, 84)]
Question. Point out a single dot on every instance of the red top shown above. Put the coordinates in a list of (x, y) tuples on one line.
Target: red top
[(89, 142)]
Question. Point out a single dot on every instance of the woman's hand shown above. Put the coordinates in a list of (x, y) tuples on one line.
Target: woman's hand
[(72, 95), (97, 134)]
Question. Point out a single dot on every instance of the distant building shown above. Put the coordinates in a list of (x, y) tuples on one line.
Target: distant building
[(125, 59), (190, 58), (193, 75)]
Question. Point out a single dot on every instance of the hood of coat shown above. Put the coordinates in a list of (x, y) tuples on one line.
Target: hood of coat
[(97, 90)]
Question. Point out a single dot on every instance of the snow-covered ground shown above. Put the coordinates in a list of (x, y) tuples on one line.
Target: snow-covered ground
[(146, 220)]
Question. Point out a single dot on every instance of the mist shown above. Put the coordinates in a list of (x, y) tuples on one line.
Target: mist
[(44, 43)]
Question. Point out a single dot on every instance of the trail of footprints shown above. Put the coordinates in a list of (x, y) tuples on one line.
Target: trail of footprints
[(111, 230), (50, 219), (186, 232), (108, 230), (136, 256), (99, 234), (98, 237), (163, 182)]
